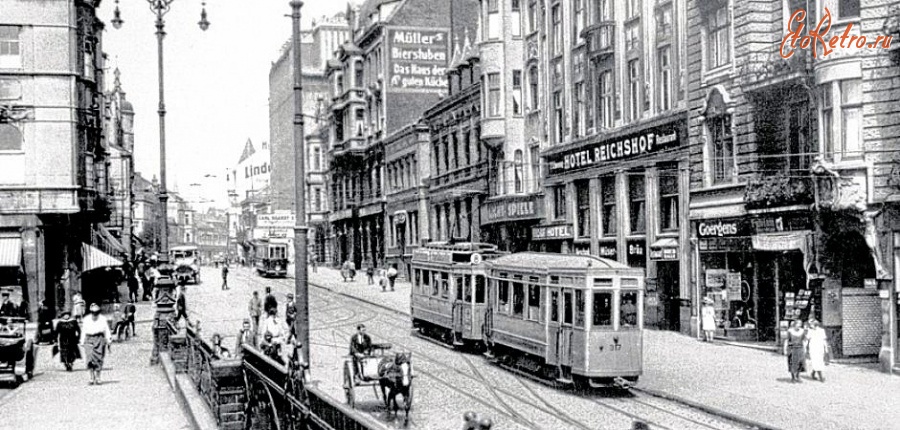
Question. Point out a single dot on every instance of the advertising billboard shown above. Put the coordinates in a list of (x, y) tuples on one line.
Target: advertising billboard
[(418, 59)]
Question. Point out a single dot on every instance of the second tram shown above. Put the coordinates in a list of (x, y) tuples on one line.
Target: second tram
[(271, 258), (570, 318), (448, 297)]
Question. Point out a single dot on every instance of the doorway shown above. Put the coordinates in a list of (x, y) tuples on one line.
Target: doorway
[(668, 290)]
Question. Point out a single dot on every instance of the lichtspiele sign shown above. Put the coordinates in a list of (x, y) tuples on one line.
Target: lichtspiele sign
[(418, 59)]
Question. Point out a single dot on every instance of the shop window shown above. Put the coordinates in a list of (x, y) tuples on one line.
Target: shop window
[(848, 9), (718, 37), (534, 302), (503, 297), (579, 308), (608, 204), (479, 289), (516, 18), (517, 92), (554, 306), (668, 199), (638, 202), (559, 202), (628, 309), (568, 307), (493, 84), (602, 309), (583, 204)]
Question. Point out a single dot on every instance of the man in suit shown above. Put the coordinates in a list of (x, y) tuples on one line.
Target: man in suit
[(8, 308), (360, 346)]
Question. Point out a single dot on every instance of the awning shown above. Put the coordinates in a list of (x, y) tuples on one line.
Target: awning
[(666, 242), (664, 249), (95, 258), (10, 251), (112, 244)]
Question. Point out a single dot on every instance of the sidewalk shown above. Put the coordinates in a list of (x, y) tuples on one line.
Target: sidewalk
[(749, 384), (133, 394)]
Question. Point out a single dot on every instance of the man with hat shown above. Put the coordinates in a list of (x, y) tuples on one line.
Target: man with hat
[(708, 319), (290, 314), (8, 308)]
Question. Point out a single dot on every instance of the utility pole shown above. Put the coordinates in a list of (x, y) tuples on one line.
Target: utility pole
[(301, 290)]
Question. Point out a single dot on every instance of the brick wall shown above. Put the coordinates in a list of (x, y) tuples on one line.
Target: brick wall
[(861, 311)]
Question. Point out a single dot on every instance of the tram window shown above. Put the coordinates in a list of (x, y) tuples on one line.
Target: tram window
[(602, 309), (628, 309), (467, 289), (567, 307), (435, 284), (479, 289), (503, 296), (554, 306), (579, 308), (534, 302), (554, 280), (518, 299), (445, 285), (426, 278), (458, 280), (629, 282), (418, 282), (603, 283)]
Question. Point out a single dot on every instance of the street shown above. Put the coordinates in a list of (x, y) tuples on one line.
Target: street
[(447, 382)]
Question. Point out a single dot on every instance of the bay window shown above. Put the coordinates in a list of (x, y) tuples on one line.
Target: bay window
[(841, 107), (493, 84), (492, 23)]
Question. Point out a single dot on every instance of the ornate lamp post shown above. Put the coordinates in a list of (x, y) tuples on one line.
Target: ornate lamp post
[(160, 8)]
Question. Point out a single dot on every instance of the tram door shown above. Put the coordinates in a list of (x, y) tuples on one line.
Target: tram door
[(458, 305), (564, 336)]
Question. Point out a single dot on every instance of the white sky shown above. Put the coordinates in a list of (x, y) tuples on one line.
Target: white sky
[(216, 82)]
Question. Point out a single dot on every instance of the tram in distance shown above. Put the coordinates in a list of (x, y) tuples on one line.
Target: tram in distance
[(271, 258), (448, 297)]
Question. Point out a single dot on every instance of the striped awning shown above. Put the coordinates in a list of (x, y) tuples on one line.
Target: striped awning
[(95, 258), (10, 251)]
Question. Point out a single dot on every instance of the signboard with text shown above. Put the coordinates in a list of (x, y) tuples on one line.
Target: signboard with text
[(511, 209), (418, 59), (552, 232), (281, 219)]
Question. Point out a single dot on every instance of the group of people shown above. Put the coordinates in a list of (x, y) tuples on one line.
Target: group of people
[(386, 278), (270, 335), (92, 333)]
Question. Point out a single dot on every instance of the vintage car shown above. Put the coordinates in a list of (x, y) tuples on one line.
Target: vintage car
[(17, 352), (186, 260)]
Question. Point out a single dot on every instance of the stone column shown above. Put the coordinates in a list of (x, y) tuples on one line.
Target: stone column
[(464, 229), (594, 187), (476, 218), (34, 270)]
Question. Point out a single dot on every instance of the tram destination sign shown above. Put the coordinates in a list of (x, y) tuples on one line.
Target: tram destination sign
[(433, 255), (644, 142)]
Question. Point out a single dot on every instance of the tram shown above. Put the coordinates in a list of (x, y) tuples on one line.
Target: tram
[(448, 294), (575, 319), (271, 258)]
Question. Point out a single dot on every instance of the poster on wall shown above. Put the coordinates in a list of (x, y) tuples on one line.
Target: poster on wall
[(418, 60), (733, 284), (716, 278)]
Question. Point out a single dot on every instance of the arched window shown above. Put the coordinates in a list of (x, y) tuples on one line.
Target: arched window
[(10, 138), (520, 186), (720, 142)]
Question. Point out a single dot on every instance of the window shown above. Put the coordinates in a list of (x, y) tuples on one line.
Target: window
[(559, 202), (608, 203), (637, 198), (668, 199), (718, 40), (535, 160), (503, 297), (533, 85), (827, 121), (633, 36), (799, 140), (583, 205), (445, 285), (360, 120), (568, 310), (467, 288), (534, 302), (10, 53), (558, 117), (848, 9), (664, 79), (493, 94), (517, 92), (635, 82), (578, 112), (10, 138), (602, 309), (556, 47), (516, 18), (455, 155), (605, 107), (493, 20), (339, 85), (578, 18), (318, 200), (358, 75), (518, 174), (554, 306), (628, 309), (664, 23), (723, 152), (460, 287), (851, 117), (317, 159), (632, 8), (479, 289), (532, 16)]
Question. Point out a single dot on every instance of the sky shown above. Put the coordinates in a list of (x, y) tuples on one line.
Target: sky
[(216, 82)]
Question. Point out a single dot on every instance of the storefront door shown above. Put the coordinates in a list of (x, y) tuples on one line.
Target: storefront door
[(778, 274), (669, 309)]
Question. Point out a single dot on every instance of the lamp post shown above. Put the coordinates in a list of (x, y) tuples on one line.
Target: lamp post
[(301, 324), (160, 8)]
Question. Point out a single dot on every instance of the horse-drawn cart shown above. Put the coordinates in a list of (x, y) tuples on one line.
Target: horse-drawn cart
[(391, 372), (17, 348)]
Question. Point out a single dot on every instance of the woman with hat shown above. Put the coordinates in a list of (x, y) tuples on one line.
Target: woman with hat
[(708, 319), (68, 332), (817, 348), (96, 338)]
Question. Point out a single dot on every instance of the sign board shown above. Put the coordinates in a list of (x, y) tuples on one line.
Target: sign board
[(647, 141), (552, 232), (511, 209), (281, 219), (780, 241), (636, 248), (722, 228), (433, 255), (870, 283), (652, 299), (418, 59), (716, 278), (609, 251), (733, 284)]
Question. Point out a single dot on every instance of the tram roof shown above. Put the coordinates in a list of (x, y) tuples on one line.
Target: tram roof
[(551, 260), (461, 246), (184, 248)]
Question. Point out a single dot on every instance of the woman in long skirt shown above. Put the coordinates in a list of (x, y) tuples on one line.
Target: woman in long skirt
[(96, 338), (794, 349), (69, 334), (817, 347)]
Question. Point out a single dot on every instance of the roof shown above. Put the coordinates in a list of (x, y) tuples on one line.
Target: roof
[(249, 150), (368, 8), (461, 246), (549, 260)]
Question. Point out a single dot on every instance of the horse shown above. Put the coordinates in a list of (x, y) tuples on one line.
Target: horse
[(395, 377)]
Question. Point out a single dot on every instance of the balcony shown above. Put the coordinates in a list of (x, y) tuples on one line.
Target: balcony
[(462, 174), (355, 95), (777, 191), (601, 40), (762, 71), (353, 145)]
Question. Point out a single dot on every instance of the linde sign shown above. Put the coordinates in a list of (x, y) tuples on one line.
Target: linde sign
[(418, 60)]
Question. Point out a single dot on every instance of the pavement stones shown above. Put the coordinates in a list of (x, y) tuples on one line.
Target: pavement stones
[(133, 394)]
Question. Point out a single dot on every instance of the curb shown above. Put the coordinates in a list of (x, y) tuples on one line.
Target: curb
[(187, 407), (705, 408)]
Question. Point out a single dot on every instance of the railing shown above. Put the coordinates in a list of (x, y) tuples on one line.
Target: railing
[(601, 39), (778, 191), (473, 171)]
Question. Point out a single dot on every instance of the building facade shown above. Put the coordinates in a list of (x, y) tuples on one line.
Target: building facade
[(120, 135), (382, 79), (406, 196), (53, 174)]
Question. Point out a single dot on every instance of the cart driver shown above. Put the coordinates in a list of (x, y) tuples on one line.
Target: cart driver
[(8, 308), (360, 346)]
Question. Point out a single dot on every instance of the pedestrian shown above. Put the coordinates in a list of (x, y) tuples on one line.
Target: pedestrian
[(245, 336), (793, 349), (133, 285), (77, 307), (181, 306), (274, 326), (290, 314), (7, 308), (314, 263), (270, 304), (68, 334), (370, 274), (345, 270), (45, 323), (382, 279), (225, 277), (392, 275), (219, 350), (255, 308), (817, 348), (154, 275), (118, 322), (352, 271), (95, 338), (708, 319), (130, 310)]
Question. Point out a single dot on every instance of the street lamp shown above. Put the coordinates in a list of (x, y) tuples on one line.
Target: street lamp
[(160, 8), (301, 324)]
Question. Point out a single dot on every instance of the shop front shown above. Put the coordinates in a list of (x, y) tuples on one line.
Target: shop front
[(507, 221)]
